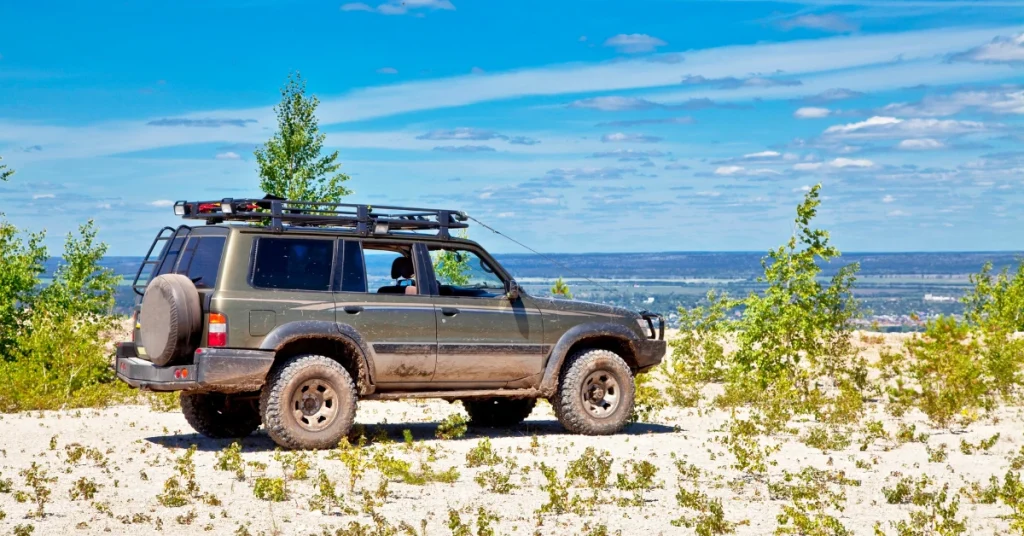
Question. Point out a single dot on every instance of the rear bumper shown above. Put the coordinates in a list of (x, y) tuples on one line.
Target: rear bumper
[(212, 369)]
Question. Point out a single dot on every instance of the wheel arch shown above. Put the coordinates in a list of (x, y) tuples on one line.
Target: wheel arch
[(340, 342), (600, 336)]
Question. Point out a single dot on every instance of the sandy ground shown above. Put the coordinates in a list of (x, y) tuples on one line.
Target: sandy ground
[(139, 446)]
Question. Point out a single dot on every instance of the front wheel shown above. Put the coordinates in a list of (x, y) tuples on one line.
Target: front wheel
[(309, 402), (595, 393), (498, 412), (220, 416)]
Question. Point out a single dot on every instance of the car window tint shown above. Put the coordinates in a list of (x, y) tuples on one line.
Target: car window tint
[(354, 277), (170, 256), (293, 263), (204, 261)]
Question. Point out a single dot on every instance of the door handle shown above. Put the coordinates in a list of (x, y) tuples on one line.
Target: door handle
[(353, 309), (449, 311)]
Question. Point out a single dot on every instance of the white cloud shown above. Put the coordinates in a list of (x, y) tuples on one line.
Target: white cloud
[(162, 203), (400, 7), (43, 196), (615, 104), (729, 170), (881, 127), (629, 138), (888, 199), (763, 155), (1000, 50), (741, 171), (811, 112), (1008, 100), (387, 70), (634, 43), (897, 213), (860, 63), (807, 166), (920, 144), (829, 22), (841, 163), (228, 155)]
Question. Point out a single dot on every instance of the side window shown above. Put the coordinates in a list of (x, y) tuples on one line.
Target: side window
[(293, 263), (379, 268), (461, 272), (353, 278)]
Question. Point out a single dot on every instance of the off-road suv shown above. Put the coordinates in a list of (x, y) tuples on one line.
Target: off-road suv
[(287, 313)]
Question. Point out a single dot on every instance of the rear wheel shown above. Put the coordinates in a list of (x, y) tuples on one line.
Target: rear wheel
[(220, 416), (498, 412), (595, 393), (309, 402)]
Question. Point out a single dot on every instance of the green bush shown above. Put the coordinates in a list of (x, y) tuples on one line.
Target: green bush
[(52, 353)]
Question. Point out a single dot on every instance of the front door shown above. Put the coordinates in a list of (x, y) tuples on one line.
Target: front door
[(484, 339), (379, 297)]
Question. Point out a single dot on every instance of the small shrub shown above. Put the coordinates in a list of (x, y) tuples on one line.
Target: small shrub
[(937, 455), (637, 479), (984, 445), (497, 481), (560, 499), (230, 459), (482, 455), (452, 427), (590, 470), (937, 516), (38, 488), (24, 530), (909, 491), (179, 490), (483, 523), (83, 488), (825, 439), (270, 489), (296, 465)]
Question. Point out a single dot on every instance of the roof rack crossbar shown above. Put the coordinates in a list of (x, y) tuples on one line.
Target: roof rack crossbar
[(364, 219)]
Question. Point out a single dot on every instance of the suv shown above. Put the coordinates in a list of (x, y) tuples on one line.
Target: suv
[(286, 313)]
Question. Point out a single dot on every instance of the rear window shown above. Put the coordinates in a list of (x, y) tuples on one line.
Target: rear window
[(197, 257), (200, 260), (293, 264)]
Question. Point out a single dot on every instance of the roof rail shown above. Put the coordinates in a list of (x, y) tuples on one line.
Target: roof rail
[(364, 219)]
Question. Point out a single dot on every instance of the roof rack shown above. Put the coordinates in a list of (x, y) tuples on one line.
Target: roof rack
[(364, 219)]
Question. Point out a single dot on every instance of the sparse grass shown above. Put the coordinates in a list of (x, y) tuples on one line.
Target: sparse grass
[(83, 488), (230, 459), (482, 455), (38, 488), (983, 446)]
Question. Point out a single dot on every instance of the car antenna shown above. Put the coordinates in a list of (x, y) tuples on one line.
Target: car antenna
[(541, 255)]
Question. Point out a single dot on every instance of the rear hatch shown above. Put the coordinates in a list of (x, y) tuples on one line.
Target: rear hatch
[(193, 252)]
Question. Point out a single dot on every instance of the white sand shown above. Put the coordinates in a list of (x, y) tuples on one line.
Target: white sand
[(135, 439)]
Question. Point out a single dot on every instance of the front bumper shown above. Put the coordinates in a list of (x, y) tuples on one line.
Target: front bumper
[(651, 351), (212, 369)]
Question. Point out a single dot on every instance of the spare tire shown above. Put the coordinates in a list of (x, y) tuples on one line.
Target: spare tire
[(171, 318)]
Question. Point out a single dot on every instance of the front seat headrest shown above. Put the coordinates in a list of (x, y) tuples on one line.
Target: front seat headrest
[(401, 268)]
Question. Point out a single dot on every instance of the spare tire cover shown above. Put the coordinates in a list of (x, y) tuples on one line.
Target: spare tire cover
[(171, 319)]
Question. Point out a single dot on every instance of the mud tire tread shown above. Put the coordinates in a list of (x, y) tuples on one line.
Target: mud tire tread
[(274, 412), (567, 404), (201, 410)]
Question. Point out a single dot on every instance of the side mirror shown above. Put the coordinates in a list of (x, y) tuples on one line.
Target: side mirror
[(512, 290)]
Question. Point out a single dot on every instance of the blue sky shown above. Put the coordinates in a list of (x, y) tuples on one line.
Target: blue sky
[(572, 126)]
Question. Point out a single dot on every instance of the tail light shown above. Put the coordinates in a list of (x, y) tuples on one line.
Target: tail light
[(218, 330)]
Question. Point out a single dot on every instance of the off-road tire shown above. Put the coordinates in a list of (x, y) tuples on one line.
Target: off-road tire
[(498, 412), (568, 401), (217, 416), (278, 409)]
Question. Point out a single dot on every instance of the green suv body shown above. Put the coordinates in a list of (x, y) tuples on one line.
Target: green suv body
[(289, 324)]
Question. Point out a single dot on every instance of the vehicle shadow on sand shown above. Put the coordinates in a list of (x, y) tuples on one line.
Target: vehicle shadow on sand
[(421, 431)]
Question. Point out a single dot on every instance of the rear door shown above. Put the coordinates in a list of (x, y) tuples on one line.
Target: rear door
[(397, 321), (484, 339)]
